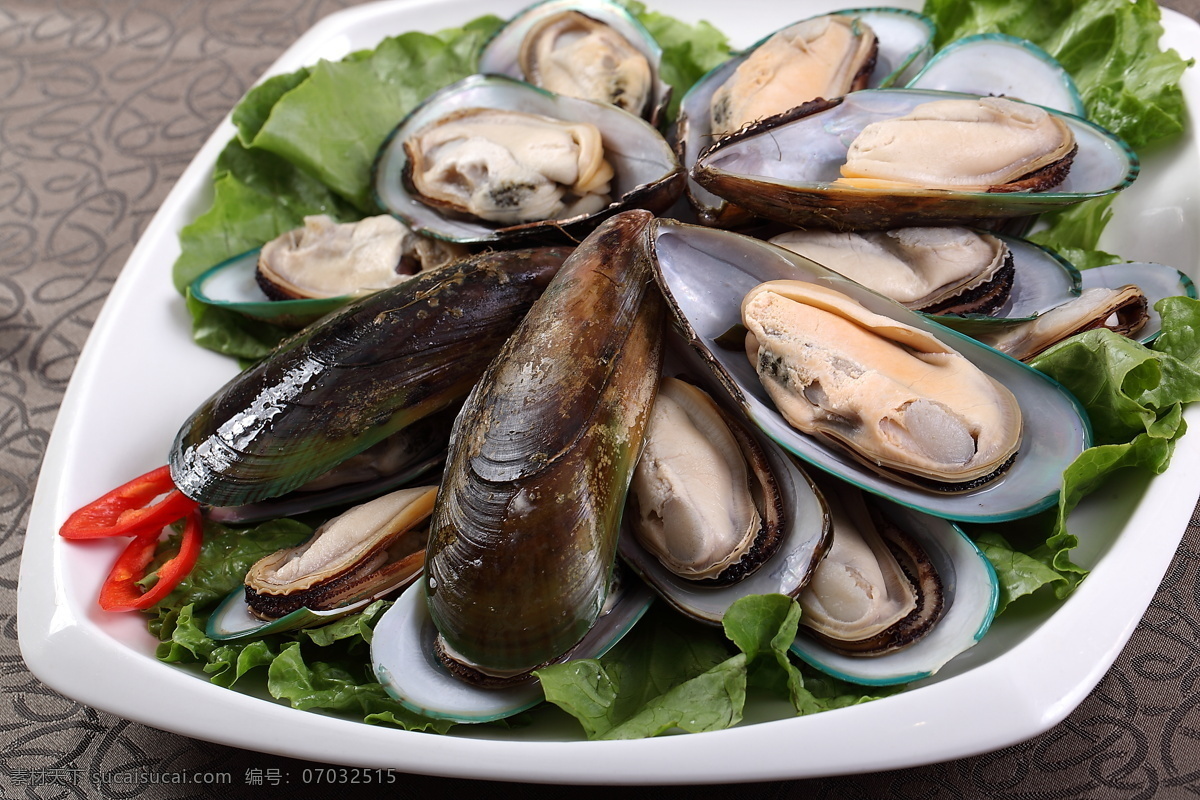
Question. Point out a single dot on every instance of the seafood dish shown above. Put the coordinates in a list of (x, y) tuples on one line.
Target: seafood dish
[(542, 403)]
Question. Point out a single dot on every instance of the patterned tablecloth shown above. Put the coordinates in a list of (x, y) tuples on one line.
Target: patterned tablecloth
[(102, 105)]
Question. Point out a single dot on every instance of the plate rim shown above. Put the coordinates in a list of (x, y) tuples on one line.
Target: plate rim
[(67, 648)]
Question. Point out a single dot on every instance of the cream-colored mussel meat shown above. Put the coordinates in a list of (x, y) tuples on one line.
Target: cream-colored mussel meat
[(935, 270), (821, 57), (898, 398), (374, 547), (876, 590), (325, 258), (1123, 310), (573, 54), (703, 499), (509, 167), (988, 144)]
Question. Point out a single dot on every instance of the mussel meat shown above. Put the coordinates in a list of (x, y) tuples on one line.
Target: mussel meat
[(898, 398), (329, 259), (704, 499), (949, 270), (372, 549)]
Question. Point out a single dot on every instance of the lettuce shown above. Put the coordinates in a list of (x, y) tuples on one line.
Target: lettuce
[(671, 673)]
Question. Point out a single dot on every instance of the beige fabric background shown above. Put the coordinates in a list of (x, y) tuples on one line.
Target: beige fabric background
[(102, 105)]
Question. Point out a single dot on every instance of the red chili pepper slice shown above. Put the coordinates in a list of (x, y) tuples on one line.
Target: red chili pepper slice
[(128, 511), (120, 591)]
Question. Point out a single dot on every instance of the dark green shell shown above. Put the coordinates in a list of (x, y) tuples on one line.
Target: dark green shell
[(351, 379), (524, 533)]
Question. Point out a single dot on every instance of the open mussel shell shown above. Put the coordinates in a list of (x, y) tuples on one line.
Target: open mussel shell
[(365, 553), (798, 187), (905, 42), (970, 593), (232, 621), (647, 174), (705, 273), (1001, 65), (1156, 282), (403, 659), (524, 535), (805, 521), (231, 286), (1118, 297), (804, 541), (355, 378), (504, 52), (1041, 279)]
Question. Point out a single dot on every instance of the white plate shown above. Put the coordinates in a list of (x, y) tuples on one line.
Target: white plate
[(140, 376)]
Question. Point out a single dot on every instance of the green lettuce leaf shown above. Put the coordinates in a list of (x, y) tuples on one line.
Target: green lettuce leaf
[(331, 123), (231, 333), (1134, 396), (670, 673), (256, 197), (634, 690), (1074, 232), (340, 686), (1019, 574)]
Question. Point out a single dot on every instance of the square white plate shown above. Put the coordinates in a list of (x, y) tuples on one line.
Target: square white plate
[(140, 376)]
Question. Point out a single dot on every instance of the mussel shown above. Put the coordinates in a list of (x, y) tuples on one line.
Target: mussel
[(898, 398), (328, 259), (590, 49), (355, 378), (705, 273), (704, 498), (823, 56), (524, 535), (371, 549), (934, 270), (940, 603), (962, 181), (492, 159)]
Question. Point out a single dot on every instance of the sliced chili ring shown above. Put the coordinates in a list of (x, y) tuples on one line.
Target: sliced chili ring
[(120, 591), (129, 509)]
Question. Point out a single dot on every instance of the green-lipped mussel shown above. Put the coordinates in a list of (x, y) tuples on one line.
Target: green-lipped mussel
[(355, 378), (540, 461)]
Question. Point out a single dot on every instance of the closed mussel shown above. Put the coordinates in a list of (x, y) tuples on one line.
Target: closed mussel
[(355, 378), (524, 534)]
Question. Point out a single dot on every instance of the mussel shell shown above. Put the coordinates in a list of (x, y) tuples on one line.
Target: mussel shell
[(970, 592), (647, 176), (1001, 65), (704, 274), (1042, 279), (355, 378), (524, 535), (1156, 281), (402, 658), (806, 527), (231, 286), (905, 42), (798, 189), (500, 55), (411, 452)]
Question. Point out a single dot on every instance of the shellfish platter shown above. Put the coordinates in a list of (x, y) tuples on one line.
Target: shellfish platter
[(1036, 664)]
